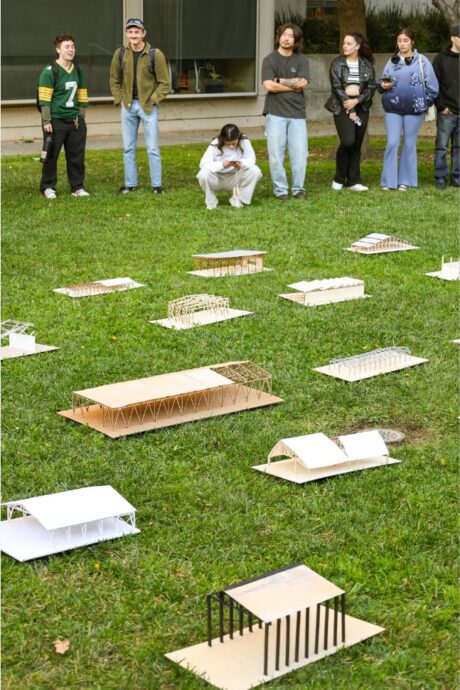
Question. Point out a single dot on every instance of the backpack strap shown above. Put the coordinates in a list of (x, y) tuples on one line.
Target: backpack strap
[(122, 55)]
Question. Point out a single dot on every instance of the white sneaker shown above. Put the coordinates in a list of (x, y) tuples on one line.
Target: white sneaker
[(358, 188), (235, 202), (80, 192), (336, 185), (212, 206), (403, 188), (49, 193)]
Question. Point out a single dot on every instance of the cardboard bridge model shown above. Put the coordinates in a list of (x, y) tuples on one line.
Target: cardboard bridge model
[(131, 407), (381, 361), (66, 520), (98, 287), (199, 310), (378, 243), (237, 262), (20, 342), (315, 292), (270, 626), (315, 456)]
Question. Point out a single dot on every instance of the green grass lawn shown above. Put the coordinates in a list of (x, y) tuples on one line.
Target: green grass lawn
[(388, 537)]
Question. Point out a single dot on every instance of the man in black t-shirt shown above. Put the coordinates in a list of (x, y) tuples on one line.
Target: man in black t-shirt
[(285, 74)]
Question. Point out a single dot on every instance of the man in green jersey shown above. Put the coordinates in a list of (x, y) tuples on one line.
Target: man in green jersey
[(63, 97)]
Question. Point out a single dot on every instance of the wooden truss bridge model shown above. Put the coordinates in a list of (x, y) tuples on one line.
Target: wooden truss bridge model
[(98, 287), (369, 364), (199, 310), (315, 292), (378, 243), (237, 262)]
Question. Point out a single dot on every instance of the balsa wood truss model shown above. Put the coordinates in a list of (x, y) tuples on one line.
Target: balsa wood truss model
[(315, 292), (272, 625), (315, 456), (373, 363), (199, 310), (66, 520), (131, 407), (99, 287), (20, 342), (378, 243), (450, 270), (237, 262)]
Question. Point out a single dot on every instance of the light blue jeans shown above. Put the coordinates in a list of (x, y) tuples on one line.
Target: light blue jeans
[(130, 120), (408, 125), (290, 132)]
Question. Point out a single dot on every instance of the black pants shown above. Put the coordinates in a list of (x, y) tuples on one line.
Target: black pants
[(348, 156), (74, 140)]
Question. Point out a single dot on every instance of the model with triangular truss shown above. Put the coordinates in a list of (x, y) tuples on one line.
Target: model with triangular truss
[(378, 243), (155, 402), (315, 292), (236, 262), (450, 270), (98, 287), (369, 364), (315, 456), (199, 310), (270, 626), (65, 520), (20, 342)]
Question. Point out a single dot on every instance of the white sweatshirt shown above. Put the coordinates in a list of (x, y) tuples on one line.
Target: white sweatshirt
[(212, 159)]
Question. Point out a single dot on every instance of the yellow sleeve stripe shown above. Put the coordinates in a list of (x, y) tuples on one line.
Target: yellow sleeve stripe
[(45, 94), (46, 89), (83, 95)]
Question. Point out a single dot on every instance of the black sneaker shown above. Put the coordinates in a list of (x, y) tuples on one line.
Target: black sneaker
[(126, 190), (157, 190)]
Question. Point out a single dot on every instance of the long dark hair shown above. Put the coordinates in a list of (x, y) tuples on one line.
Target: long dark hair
[(364, 50), (298, 36), (229, 133)]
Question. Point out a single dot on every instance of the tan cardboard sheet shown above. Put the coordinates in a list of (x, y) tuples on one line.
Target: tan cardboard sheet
[(202, 318), (338, 371), (9, 352)]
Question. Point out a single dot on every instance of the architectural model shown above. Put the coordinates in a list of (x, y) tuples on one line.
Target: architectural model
[(120, 409), (365, 366), (66, 520), (272, 625), (315, 292), (99, 287), (233, 263), (199, 310), (450, 270), (20, 342), (315, 456), (377, 243)]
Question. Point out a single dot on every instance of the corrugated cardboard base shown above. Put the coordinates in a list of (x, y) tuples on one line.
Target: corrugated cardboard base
[(339, 372), (293, 471), (8, 352), (202, 318)]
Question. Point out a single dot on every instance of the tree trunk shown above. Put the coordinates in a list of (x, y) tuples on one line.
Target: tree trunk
[(450, 11)]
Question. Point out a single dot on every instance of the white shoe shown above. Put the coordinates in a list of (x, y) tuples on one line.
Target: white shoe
[(386, 189), (358, 188), (403, 188), (235, 202), (211, 207), (80, 192), (49, 193), (337, 186)]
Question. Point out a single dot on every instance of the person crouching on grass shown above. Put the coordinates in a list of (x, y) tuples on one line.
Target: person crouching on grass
[(229, 164)]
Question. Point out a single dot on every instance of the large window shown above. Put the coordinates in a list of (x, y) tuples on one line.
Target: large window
[(210, 45), (28, 31)]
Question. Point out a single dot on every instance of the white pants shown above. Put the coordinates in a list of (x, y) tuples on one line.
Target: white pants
[(241, 182)]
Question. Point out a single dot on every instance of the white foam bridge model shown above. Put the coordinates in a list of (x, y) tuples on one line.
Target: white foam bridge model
[(450, 270), (232, 263), (98, 287), (315, 456), (369, 364), (66, 520), (378, 243), (199, 310), (315, 292), (270, 626), (20, 342)]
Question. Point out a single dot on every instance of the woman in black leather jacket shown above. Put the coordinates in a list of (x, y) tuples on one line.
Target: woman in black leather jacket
[(352, 77)]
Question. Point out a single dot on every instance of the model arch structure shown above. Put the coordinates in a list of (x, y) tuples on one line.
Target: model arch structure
[(379, 243), (199, 310), (130, 407), (231, 263)]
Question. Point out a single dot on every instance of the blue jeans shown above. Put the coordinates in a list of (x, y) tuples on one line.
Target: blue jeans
[(130, 120), (448, 131), (395, 125), (282, 131)]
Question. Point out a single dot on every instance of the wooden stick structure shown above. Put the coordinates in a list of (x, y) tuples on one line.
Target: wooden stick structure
[(450, 270), (316, 292), (378, 243), (369, 364), (155, 402), (199, 310), (98, 287), (236, 262), (270, 626), (20, 342)]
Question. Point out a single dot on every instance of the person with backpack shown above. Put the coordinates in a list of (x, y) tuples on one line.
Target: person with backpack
[(62, 99), (139, 81)]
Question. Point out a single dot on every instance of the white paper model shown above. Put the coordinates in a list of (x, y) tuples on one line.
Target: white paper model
[(199, 310), (20, 343), (237, 262), (450, 270), (272, 625), (65, 520), (99, 287), (155, 402), (378, 243), (316, 292), (315, 456), (373, 363)]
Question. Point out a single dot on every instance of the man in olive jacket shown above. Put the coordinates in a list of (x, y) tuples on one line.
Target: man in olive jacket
[(139, 81)]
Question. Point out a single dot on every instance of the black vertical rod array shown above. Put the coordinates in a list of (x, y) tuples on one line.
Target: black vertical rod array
[(241, 611), (326, 624), (266, 648), (230, 616), (208, 618), (221, 616), (336, 613), (250, 621), (297, 636), (288, 638), (318, 614), (278, 643), (307, 632), (343, 617)]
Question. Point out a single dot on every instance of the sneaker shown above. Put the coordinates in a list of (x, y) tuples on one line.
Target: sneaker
[(80, 192), (282, 197), (358, 188), (235, 202), (403, 188), (386, 189), (157, 190), (337, 186), (126, 190), (211, 207), (440, 184), (300, 195), (49, 193)]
